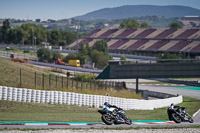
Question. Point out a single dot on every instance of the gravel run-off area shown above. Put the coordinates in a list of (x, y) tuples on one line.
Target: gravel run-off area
[(184, 130)]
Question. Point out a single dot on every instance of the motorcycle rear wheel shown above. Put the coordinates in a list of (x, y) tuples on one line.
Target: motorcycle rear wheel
[(176, 118), (106, 119)]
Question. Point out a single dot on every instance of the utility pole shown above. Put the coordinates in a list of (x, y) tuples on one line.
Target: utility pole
[(77, 31), (33, 36), (35, 44)]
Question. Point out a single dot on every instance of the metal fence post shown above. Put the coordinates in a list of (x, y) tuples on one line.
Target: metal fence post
[(76, 84), (49, 80), (56, 80), (67, 82), (35, 79), (62, 81), (95, 86), (90, 85), (81, 84), (20, 77), (43, 81), (72, 84), (105, 85)]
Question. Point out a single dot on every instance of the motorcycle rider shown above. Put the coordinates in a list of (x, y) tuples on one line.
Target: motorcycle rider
[(109, 105), (113, 106), (180, 109)]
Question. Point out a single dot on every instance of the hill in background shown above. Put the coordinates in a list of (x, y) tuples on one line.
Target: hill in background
[(131, 11)]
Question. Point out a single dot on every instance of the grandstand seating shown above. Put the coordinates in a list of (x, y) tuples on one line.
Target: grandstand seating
[(145, 33), (92, 33), (157, 45), (177, 47), (118, 44), (172, 40), (166, 33), (137, 44), (187, 33), (107, 33), (196, 49), (126, 33)]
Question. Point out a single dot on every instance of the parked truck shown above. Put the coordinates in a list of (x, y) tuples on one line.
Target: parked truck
[(75, 63)]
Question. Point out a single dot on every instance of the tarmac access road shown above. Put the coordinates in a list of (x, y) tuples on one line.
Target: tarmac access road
[(193, 92)]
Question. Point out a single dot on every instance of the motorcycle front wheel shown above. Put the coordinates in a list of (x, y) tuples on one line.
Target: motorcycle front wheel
[(190, 120), (106, 119), (128, 121), (176, 118)]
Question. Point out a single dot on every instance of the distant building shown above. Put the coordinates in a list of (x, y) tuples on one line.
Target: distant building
[(191, 18), (106, 25), (38, 20), (51, 21), (69, 21)]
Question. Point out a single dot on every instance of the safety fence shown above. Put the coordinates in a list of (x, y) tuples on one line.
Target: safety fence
[(49, 81), (70, 98), (18, 55)]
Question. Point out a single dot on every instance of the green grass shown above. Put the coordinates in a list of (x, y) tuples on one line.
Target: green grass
[(10, 76), (20, 111)]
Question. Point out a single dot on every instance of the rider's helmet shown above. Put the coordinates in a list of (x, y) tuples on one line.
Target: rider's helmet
[(172, 106), (106, 103)]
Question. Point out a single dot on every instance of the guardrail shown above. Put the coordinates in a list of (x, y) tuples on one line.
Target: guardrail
[(18, 55), (185, 82), (70, 98)]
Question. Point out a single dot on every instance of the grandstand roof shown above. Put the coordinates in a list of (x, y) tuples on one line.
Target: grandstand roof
[(172, 40)]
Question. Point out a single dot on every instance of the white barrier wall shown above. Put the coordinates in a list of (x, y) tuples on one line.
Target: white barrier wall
[(70, 98)]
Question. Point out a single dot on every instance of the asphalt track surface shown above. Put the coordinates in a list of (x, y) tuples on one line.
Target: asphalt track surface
[(93, 126), (185, 90)]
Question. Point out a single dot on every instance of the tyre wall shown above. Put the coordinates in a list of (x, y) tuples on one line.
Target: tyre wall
[(70, 98)]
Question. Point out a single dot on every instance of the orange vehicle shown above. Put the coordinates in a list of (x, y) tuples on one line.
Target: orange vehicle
[(19, 60), (60, 62)]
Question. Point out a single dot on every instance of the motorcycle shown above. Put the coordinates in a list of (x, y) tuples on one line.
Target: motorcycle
[(114, 115), (179, 114)]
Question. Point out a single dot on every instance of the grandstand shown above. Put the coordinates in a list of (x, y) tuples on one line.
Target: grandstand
[(145, 40)]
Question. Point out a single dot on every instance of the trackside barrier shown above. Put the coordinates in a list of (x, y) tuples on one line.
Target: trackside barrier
[(70, 98)]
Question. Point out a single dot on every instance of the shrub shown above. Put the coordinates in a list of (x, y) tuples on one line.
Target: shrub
[(84, 77)]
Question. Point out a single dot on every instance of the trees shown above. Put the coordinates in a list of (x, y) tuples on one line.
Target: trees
[(43, 54), (1, 35), (28, 32), (122, 58), (55, 37), (99, 58), (130, 24), (68, 37), (54, 56), (101, 46), (71, 56), (175, 25), (98, 54), (4, 30), (144, 25), (169, 56)]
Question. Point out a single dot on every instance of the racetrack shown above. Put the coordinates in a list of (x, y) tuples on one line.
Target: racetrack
[(185, 91), (96, 125)]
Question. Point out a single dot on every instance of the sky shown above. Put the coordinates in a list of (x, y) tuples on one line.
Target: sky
[(63, 9)]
